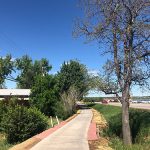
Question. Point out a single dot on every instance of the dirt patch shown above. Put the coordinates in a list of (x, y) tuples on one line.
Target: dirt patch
[(99, 119), (101, 143)]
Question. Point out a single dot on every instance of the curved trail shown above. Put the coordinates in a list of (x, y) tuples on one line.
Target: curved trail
[(72, 136)]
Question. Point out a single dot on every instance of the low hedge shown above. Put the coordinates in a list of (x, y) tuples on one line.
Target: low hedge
[(21, 123)]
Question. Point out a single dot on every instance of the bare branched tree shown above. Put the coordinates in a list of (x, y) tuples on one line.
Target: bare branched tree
[(124, 27)]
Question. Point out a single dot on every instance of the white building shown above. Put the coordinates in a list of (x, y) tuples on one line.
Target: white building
[(20, 93)]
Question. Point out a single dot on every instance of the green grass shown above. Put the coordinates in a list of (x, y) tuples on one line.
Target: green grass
[(3, 143), (139, 122), (117, 144), (107, 110)]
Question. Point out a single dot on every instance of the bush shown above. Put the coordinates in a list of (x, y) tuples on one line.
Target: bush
[(140, 125), (6, 104), (115, 126), (60, 111), (44, 94), (21, 123), (3, 110)]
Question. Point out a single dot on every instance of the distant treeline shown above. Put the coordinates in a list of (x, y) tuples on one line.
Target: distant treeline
[(96, 99), (141, 97)]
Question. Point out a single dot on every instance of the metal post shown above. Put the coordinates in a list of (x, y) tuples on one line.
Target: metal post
[(57, 120), (51, 121)]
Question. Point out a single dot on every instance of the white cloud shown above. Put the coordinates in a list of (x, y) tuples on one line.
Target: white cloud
[(93, 72)]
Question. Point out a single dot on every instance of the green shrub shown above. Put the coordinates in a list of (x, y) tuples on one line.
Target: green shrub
[(60, 111), (21, 123), (3, 110), (115, 126), (143, 135), (44, 94), (6, 104), (140, 124)]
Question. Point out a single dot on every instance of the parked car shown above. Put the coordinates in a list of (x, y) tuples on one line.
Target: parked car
[(105, 101), (134, 101)]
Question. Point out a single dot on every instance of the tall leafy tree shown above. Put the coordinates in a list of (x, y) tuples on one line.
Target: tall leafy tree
[(72, 73), (25, 67), (124, 27), (6, 67), (29, 69)]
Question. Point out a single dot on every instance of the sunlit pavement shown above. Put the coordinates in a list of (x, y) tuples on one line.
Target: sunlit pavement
[(72, 136)]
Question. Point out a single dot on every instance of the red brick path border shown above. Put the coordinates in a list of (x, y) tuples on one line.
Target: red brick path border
[(92, 132), (46, 133)]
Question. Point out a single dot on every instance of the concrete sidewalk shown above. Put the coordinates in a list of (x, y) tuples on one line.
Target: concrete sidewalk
[(72, 136)]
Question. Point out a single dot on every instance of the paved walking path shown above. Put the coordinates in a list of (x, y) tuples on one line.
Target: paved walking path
[(72, 136)]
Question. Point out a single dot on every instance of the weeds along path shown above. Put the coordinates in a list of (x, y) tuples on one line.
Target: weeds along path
[(101, 123)]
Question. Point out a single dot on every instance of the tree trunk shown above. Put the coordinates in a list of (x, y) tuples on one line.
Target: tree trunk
[(125, 119)]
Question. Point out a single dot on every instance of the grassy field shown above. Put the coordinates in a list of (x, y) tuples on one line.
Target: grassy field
[(107, 110), (140, 127)]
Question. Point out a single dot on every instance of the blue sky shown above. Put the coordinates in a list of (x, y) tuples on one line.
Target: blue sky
[(43, 29)]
